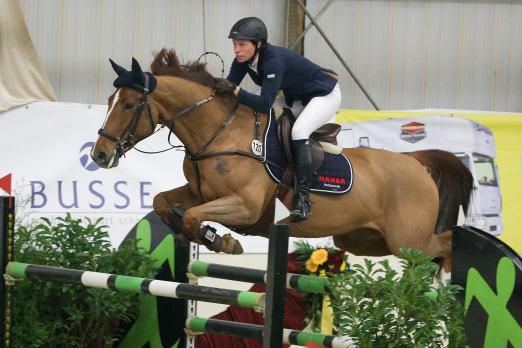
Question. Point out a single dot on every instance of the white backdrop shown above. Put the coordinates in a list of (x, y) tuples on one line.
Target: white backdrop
[(46, 145)]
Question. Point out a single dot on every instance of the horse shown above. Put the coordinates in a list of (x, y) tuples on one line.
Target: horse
[(397, 200)]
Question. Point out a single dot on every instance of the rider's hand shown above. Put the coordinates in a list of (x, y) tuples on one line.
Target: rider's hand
[(223, 86)]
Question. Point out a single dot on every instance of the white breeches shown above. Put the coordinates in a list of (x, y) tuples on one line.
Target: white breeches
[(319, 111)]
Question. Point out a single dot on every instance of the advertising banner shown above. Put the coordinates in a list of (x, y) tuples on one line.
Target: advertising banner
[(488, 143)]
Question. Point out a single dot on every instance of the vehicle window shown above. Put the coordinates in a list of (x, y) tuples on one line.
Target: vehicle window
[(485, 170)]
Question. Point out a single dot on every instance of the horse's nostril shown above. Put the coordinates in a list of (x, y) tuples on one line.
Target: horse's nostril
[(100, 157)]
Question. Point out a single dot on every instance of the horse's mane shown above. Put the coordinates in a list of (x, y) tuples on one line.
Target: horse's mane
[(166, 62)]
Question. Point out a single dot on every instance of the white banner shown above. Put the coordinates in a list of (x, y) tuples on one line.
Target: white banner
[(46, 147)]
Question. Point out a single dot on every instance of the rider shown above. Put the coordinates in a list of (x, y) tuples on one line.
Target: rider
[(311, 92)]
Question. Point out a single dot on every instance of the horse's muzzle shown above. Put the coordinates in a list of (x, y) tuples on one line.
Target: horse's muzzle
[(104, 159)]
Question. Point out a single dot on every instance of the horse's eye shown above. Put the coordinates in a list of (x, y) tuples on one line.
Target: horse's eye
[(128, 105)]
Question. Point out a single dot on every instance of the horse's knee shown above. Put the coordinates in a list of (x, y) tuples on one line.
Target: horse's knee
[(160, 206), (159, 202), (191, 222)]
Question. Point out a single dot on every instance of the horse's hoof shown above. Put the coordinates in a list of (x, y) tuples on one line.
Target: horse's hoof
[(238, 248), (231, 245)]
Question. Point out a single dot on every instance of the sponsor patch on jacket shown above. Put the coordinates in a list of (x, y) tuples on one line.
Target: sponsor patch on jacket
[(270, 76)]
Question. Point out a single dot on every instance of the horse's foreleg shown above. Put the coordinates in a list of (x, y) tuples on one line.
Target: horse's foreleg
[(228, 210), (179, 197)]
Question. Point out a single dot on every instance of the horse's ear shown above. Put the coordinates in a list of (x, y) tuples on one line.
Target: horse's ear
[(136, 71), (118, 69)]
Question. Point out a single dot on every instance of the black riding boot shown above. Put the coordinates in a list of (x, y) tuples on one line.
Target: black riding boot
[(302, 152)]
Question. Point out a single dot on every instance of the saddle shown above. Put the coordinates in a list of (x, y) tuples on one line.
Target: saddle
[(323, 139)]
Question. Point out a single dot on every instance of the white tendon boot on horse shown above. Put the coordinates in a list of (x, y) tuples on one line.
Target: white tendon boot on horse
[(444, 277)]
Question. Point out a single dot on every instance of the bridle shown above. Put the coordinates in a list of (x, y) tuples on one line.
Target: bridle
[(126, 141)]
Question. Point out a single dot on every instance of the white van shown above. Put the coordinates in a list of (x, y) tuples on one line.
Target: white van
[(471, 142)]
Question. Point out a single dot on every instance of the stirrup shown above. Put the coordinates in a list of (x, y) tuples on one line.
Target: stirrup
[(296, 215), (300, 213)]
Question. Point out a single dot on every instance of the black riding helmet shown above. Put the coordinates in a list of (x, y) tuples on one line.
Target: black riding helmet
[(249, 28)]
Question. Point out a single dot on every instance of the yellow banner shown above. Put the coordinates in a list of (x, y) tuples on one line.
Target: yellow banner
[(507, 131)]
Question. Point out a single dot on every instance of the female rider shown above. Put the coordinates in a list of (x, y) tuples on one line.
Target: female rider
[(311, 92)]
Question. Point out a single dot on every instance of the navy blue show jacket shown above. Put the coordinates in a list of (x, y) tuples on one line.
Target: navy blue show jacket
[(279, 68)]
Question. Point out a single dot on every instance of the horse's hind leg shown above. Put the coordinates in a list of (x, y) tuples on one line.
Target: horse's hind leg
[(444, 240)]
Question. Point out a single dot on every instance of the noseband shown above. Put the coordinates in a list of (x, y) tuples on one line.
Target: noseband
[(126, 141)]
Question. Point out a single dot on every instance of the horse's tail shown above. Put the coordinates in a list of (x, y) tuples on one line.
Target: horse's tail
[(454, 182)]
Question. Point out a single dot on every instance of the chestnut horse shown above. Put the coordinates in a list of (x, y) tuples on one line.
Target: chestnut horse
[(397, 200)]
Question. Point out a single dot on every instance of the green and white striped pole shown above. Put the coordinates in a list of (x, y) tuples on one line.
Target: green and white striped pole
[(245, 299), (299, 282), (230, 328)]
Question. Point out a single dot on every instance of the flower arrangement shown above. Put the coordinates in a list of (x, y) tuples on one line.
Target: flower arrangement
[(322, 262), (326, 262), (378, 306)]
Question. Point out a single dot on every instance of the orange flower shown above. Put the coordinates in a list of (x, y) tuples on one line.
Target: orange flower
[(311, 267), (319, 256)]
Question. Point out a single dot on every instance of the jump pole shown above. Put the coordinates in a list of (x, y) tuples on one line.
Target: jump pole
[(245, 299), (304, 283), (272, 333), (231, 328)]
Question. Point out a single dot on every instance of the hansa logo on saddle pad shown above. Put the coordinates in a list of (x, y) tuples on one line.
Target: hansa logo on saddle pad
[(333, 172)]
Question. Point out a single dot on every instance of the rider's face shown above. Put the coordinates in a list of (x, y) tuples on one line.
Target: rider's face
[(244, 50)]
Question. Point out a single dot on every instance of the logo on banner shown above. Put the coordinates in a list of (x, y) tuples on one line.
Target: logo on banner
[(85, 158), (89, 192), (413, 132)]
